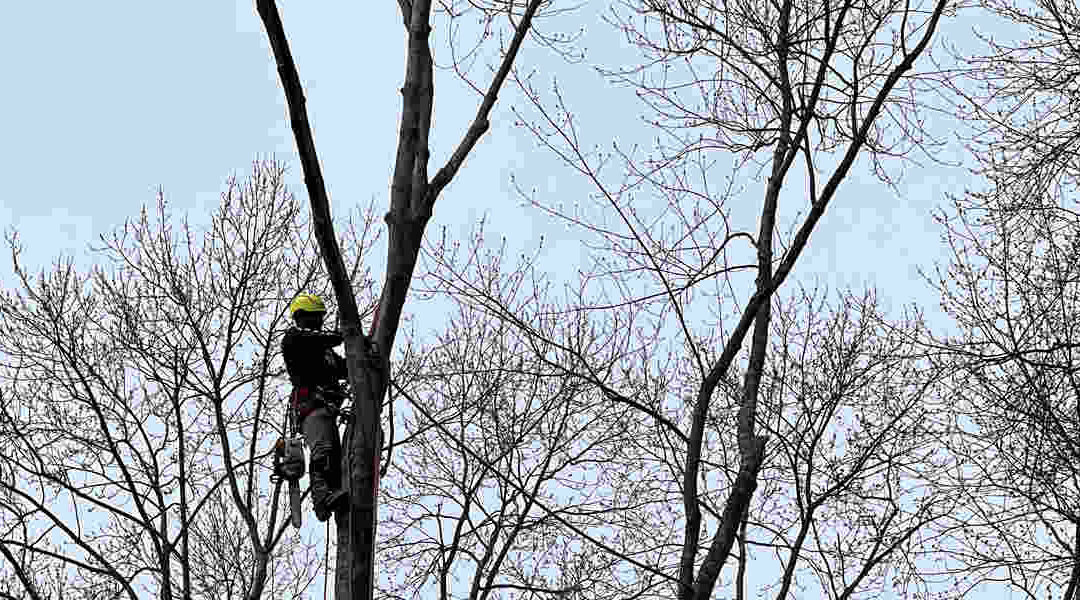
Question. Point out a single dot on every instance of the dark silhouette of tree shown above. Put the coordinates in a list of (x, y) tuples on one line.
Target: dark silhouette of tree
[(141, 401), (503, 464), (848, 482), (1021, 95), (774, 86), (412, 199), (1011, 289)]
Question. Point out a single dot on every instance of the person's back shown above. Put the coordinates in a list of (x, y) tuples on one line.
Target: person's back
[(310, 359)]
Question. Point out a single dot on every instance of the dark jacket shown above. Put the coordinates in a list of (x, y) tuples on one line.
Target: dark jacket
[(312, 363)]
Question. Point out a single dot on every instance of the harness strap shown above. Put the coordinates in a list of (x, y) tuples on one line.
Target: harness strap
[(306, 399)]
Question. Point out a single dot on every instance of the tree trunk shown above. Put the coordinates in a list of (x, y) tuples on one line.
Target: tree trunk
[(356, 527), (412, 198)]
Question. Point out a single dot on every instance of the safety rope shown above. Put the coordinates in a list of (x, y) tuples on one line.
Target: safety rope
[(326, 560), (346, 450)]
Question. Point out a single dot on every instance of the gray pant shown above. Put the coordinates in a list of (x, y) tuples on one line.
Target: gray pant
[(320, 430)]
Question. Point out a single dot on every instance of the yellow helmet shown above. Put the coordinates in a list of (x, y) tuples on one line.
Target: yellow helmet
[(307, 303)]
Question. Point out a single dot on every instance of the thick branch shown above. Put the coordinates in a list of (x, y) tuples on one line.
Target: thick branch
[(752, 448), (313, 179)]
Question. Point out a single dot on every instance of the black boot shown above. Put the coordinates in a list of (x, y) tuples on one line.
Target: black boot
[(331, 503)]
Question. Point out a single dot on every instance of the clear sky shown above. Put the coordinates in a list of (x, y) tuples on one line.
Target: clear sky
[(105, 102)]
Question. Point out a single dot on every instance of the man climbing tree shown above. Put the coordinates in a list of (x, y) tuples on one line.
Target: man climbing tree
[(316, 371), (412, 200)]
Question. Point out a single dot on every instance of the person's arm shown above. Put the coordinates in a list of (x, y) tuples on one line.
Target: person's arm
[(319, 341), (329, 339)]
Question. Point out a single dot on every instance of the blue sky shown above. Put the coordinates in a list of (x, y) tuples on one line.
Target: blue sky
[(108, 101)]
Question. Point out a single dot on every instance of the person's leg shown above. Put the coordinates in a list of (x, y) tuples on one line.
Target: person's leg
[(321, 432)]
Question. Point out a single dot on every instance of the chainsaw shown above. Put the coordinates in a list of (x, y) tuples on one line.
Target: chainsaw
[(289, 465)]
